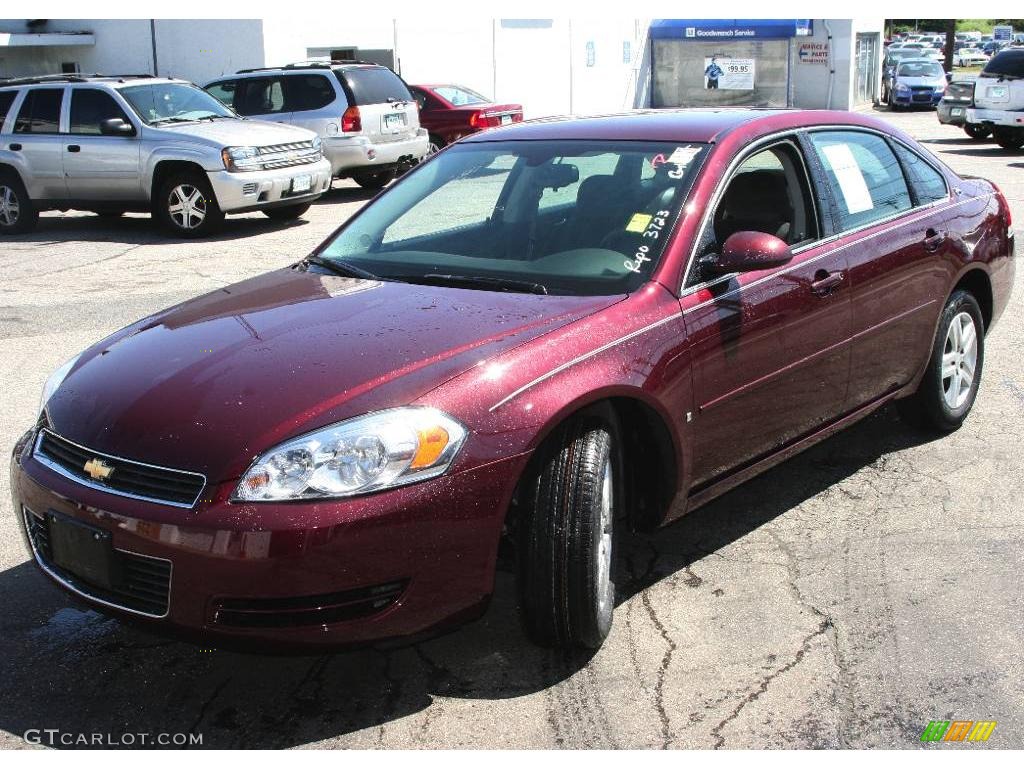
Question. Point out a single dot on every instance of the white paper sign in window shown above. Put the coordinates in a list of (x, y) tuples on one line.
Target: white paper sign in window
[(851, 182)]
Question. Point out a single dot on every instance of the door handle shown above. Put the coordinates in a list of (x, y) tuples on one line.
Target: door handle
[(74, 148), (826, 282), (933, 240), (16, 147)]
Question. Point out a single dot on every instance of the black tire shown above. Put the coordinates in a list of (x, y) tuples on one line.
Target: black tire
[(1009, 138), (17, 212), (374, 179), (929, 408), (185, 183), (976, 131), (566, 596), (286, 213)]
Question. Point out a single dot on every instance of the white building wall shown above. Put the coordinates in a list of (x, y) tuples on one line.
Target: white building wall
[(810, 81), (201, 51)]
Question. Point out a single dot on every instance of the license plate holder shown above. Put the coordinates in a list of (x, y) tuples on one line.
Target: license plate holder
[(302, 184), (394, 121), (506, 119), (956, 111), (83, 550)]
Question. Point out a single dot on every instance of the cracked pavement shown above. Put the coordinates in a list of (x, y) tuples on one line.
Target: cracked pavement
[(843, 599)]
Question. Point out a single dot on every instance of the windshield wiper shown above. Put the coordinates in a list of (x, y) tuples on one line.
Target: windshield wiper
[(172, 120), (342, 268), (216, 117), (503, 284)]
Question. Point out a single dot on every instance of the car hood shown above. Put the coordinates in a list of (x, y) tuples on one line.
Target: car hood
[(211, 383), (237, 132)]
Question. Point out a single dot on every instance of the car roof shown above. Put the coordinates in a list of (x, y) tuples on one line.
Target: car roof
[(72, 79), (683, 125)]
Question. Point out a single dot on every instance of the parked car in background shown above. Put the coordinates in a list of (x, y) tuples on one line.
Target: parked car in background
[(969, 57), (362, 112), (992, 47), (550, 332), (140, 143), (952, 109), (892, 58), (449, 112), (916, 83), (999, 98)]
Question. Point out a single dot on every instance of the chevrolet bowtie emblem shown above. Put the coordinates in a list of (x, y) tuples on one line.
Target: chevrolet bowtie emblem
[(98, 469)]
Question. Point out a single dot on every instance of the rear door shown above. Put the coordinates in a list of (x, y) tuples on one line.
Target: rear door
[(386, 107), (37, 140), (893, 228), (98, 167)]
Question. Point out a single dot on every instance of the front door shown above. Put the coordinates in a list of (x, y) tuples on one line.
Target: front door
[(99, 167), (770, 348)]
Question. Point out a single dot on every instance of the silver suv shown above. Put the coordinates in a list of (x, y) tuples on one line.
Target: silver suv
[(137, 143), (363, 112), (999, 99)]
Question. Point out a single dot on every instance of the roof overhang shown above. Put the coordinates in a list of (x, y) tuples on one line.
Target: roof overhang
[(45, 39)]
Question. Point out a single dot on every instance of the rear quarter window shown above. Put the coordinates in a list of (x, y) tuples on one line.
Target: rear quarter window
[(6, 100), (373, 85), (928, 184)]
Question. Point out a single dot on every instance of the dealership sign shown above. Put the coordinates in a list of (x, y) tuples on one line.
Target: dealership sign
[(729, 29), (813, 53)]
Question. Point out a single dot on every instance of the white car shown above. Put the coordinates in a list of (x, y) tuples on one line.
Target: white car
[(968, 57)]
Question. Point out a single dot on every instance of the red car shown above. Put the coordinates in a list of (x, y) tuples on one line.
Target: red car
[(450, 112), (544, 332)]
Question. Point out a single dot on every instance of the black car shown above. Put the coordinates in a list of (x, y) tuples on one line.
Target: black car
[(952, 109)]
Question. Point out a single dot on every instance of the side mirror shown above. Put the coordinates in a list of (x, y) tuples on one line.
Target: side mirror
[(749, 251), (116, 126)]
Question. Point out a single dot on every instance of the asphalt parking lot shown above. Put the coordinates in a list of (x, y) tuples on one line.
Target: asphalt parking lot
[(844, 599)]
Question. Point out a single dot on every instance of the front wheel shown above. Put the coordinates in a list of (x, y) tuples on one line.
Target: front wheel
[(186, 206), (1009, 138), (374, 179), (17, 213), (567, 592), (977, 131), (286, 213), (950, 384)]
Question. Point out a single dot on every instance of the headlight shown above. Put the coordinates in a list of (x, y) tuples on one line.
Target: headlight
[(369, 453), (318, 145), (902, 88), (55, 380), (241, 158)]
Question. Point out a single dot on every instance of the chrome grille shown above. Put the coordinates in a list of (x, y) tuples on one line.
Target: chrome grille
[(286, 155)]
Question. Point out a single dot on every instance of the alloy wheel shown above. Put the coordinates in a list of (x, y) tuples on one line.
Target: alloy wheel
[(10, 207), (959, 360), (604, 547), (187, 206)]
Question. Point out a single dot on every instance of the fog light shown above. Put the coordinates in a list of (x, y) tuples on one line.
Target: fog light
[(371, 154)]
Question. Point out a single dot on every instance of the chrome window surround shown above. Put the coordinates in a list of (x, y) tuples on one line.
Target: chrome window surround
[(52, 465), (80, 591)]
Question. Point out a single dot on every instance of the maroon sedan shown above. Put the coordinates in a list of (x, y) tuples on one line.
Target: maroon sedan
[(545, 331), (450, 112)]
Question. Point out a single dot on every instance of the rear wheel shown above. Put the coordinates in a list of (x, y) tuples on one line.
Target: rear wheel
[(17, 213), (374, 179), (1009, 138), (950, 384), (186, 206), (566, 586), (287, 213), (977, 131)]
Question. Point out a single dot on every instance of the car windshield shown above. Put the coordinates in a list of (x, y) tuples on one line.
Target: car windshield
[(173, 102), (920, 69), (563, 217), (458, 96)]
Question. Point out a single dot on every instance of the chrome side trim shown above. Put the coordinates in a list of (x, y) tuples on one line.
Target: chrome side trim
[(89, 596), (558, 369), (49, 464)]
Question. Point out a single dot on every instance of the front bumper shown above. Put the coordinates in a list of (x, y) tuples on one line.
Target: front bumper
[(916, 100), (348, 154), (257, 190), (292, 576), (996, 117)]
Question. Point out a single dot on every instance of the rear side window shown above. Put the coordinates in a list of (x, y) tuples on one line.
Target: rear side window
[(40, 111), (305, 92), (373, 85), (864, 175), (928, 184), (90, 107), (259, 96), (1009, 63), (6, 100)]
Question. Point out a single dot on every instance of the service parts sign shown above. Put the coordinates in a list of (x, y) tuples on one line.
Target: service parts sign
[(813, 53), (729, 74)]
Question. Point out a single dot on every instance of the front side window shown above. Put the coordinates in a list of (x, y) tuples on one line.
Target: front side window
[(224, 92), (928, 184), (259, 96), (866, 180), (40, 111), (478, 211), (90, 107), (173, 103)]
